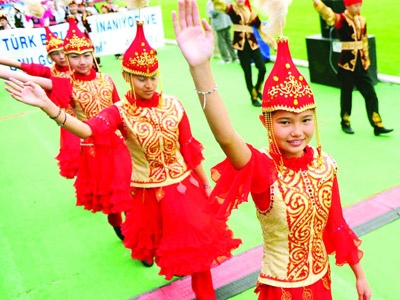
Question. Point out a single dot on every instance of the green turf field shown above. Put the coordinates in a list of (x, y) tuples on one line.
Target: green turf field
[(50, 249)]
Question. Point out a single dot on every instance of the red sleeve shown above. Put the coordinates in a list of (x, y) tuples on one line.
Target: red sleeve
[(108, 120), (338, 236), (105, 168), (36, 70), (233, 186), (191, 149), (61, 93)]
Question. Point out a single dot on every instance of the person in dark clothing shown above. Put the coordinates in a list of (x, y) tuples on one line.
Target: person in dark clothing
[(353, 63)]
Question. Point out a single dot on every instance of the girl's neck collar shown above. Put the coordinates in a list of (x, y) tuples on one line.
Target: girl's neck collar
[(152, 102), (85, 77)]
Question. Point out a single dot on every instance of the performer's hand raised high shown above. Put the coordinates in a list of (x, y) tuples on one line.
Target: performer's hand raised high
[(194, 36)]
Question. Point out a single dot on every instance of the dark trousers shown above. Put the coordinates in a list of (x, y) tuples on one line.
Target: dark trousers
[(246, 57), (363, 82), (225, 44)]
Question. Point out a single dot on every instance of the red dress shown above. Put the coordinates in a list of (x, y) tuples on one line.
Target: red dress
[(96, 188), (166, 220), (300, 216), (68, 155)]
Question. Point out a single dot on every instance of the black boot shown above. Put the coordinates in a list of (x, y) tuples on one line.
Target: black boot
[(254, 98), (117, 230), (147, 263), (346, 127), (381, 130), (256, 102)]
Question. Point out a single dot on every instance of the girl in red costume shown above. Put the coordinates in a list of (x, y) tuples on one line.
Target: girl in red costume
[(168, 186), (294, 186), (68, 155), (87, 93)]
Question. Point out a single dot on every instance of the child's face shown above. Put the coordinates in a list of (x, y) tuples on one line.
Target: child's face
[(3, 22), (73, 8), (293, 131), (81, 63), (354, 9), (145, 87), (59, 58)]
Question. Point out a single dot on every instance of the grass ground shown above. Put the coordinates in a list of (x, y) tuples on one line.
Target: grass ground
[(50, 249)]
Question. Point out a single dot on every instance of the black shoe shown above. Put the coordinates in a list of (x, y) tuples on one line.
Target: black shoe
[(347, 129), (380, 130), (147, 264), (256, 102), (117, 230)]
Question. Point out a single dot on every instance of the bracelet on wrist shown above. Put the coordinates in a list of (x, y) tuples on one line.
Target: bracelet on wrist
[(206, 93), (65, 120), (58, 114)]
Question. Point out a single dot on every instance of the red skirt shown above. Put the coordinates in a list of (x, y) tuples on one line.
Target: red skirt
[(318, 290), (169, 224), (103, 180), (68, 156)]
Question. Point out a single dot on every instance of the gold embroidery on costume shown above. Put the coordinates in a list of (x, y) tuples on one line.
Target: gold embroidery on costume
[(77, 43), (294, 252), (286, 295), (291, 88), (325, 283), (57, 73), (92, 96), (307, 294), (152, 138), (376, 118)]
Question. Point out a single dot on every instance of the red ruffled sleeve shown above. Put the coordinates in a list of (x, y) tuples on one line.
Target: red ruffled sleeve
[(233, 186), (338, 237), (36, 70), (61, 93), (191, 148), (104, 175)]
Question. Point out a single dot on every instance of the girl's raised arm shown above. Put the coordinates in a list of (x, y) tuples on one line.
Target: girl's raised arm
[(32, 94), (195, 39)]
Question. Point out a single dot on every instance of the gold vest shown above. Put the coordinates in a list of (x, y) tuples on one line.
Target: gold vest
[(153, 141), (92, 96), (294, 252)]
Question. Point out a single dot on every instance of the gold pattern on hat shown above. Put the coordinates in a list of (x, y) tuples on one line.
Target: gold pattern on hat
[(76, 43), (291, 87)]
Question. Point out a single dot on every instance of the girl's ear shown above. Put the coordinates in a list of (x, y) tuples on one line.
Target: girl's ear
[(262, 119)]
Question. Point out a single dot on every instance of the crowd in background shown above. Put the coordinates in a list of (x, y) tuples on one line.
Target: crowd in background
[(15, 14)]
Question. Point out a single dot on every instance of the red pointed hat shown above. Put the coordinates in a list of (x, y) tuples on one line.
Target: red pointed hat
[(53, 43), (75, 40), (351, 2), (285, 88), (140, 58)]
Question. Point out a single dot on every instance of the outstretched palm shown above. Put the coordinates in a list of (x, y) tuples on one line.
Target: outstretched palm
[(195, 43), (28, 92)]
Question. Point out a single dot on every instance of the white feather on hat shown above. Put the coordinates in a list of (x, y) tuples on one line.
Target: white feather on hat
[(137, 4), (34, 8), (276, 10)]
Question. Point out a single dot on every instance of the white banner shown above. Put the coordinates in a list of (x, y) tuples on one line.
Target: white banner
[(111, 34)]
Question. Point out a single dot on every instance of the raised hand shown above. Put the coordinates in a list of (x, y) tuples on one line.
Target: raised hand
[(27, 92), (195, 43)]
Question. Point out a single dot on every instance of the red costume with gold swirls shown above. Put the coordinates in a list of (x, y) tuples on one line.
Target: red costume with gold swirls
[(163, 186), (297, 199)]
